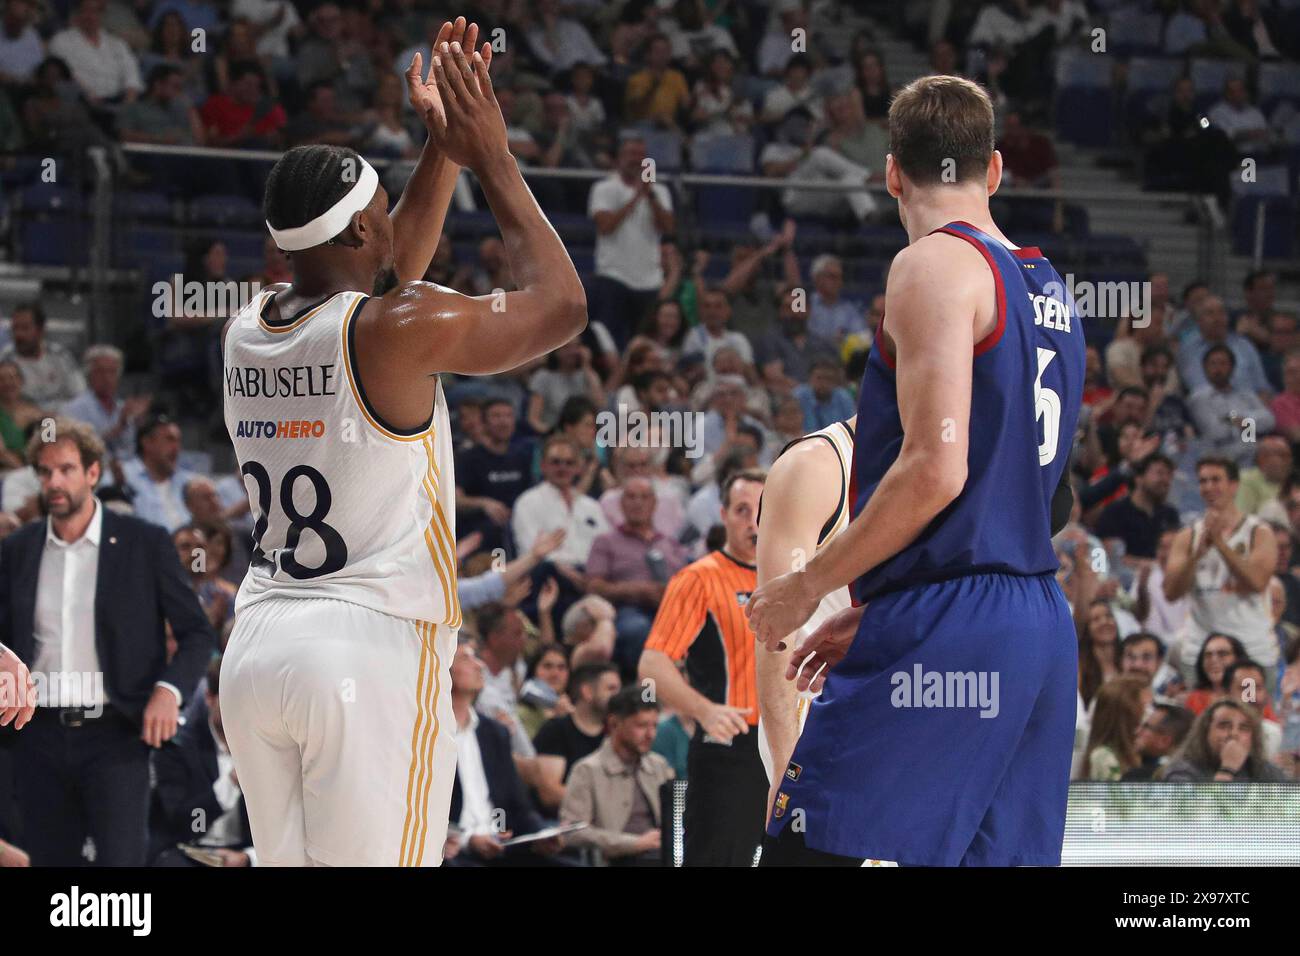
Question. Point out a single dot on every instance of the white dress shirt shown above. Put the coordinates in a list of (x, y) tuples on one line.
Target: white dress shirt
[(65, 619), (475, 803)]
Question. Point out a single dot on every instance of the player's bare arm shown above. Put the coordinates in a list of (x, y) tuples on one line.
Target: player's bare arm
[(940, 301), (791, 520), (419, 329), (421, 211)]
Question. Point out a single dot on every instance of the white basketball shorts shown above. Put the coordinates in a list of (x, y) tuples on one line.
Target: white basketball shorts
[(340, 724)]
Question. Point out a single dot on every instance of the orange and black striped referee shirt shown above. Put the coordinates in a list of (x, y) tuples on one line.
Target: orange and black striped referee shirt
[(702, 618)]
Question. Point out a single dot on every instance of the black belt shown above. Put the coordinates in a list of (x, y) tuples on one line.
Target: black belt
[(74, 716)]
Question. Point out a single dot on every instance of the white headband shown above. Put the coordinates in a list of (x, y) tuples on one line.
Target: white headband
[(333, 220)]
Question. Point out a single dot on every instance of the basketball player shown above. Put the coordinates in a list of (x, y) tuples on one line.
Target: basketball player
[(335, 683), (945, 732), (806, 498)]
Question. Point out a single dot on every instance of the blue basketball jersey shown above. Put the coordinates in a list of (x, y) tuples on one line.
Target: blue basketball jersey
[(1025, 398)]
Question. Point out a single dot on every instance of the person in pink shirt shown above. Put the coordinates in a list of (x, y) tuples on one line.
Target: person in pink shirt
[(1286, 405)]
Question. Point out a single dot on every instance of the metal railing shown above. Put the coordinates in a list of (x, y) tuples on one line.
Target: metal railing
[(1211, 245)]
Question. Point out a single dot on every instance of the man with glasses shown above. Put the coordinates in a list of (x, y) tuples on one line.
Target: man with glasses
[(1161, 733), (670, 501), (556, 504)]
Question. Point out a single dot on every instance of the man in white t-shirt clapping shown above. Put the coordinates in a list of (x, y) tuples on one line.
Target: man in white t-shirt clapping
[(631, 212)]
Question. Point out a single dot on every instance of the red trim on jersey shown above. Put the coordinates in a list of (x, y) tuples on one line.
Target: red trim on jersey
[(880, 340), (990, 340), (1025, 252)]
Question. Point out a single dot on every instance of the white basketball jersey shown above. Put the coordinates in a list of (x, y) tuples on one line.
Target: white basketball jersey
[(1219, 604), (344, 506), (840, 435)]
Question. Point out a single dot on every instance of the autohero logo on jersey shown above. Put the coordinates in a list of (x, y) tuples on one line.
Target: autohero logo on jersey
[(288, 428), (77, 909)]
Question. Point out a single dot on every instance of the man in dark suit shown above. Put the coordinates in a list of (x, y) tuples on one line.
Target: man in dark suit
[(85, 599), (198, 800), (489, 802)]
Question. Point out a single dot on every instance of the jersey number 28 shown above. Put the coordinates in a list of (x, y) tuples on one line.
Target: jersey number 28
[(336, 550)]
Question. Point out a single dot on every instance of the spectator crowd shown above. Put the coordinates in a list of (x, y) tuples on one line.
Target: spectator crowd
[(587, 480)]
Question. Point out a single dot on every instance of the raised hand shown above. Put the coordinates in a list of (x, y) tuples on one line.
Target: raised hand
[(421, 88), (474, 134)]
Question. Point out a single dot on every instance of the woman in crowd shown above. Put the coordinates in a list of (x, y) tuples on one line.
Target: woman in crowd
[(1223, 746), (172, 44), (548, 668), (16, 413), (1218, 653), (1112, 742), (568, 373), (666, 327), (1099, 659), (873, 84), (385, 132), (214, 590), (240, 46), (719, 110)]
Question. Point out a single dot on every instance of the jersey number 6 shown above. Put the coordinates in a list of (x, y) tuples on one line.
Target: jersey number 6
[(1047, 406)]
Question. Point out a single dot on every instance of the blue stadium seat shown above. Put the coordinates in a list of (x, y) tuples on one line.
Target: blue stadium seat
[(1271, 180), (1148, 74), (49, 197), (1133, 30), (232, 210), (1085, 117), (19, 171), (1278, 82), (1279, 225), (1084, 104), (1208, 76), (54, 241), (723, 154), (665, 148), (146, 206), (733, 204), (1080, 69), (52, 230)]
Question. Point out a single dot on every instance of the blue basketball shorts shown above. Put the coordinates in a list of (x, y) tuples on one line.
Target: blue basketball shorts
[(944, 736)]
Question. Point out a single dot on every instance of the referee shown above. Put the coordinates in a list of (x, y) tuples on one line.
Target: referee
[(702, 619)]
